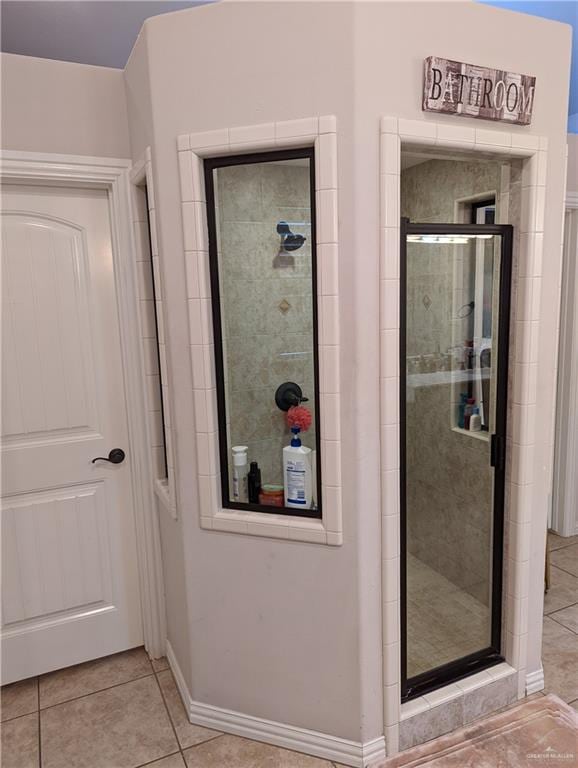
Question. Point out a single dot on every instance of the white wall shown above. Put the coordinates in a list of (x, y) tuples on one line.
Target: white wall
[(565, 492), (56, 106), (572, 180), (283, 630)]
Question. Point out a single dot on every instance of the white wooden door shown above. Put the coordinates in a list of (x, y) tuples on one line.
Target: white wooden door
[(70, 588)]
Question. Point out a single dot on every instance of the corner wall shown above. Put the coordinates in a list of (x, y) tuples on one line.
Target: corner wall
[(62, 107), (274, 626)]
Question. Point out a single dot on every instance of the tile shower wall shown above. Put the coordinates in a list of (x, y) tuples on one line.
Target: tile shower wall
[(268, 335), (449, 527)]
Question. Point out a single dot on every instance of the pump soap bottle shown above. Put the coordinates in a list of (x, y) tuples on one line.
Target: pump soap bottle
[(297, 473)]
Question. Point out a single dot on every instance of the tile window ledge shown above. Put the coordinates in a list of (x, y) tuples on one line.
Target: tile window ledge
[(272, 526)]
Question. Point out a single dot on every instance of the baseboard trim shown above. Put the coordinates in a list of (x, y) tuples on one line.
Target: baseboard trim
[(353, 753), (535, 682)]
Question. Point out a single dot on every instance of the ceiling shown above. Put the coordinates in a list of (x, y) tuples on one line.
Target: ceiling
[(97, 32)]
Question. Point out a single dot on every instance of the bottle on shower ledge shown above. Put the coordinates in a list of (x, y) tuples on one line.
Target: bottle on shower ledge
[(297, 473), (462, 409), (475, 420), (240, 486), (254, 483), (468, 411)]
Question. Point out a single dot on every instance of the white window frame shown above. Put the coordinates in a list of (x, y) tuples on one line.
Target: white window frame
[(320, 133), (142, 173)]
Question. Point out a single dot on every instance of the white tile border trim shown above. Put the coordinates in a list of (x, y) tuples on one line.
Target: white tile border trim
[(314, 743), (142, 171), (321, 133), (523, 358)]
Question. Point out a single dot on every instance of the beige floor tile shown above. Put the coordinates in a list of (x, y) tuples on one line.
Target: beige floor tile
[(566, 558), (82, 679), (563, 590), (234, 752), (187, 733), (568, 617), (160, 664), (173, 761), (19, 698), (444, 621), (121, 727), (560, 660), (19, 742), (556, 542)]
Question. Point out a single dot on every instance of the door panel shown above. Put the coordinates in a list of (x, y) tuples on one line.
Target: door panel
[(48, 372), (454, 350), (70, 582)]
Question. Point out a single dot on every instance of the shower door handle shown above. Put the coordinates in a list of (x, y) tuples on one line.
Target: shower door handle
[(497, 452)]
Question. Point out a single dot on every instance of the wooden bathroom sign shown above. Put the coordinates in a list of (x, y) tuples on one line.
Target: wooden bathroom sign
[(466, 89)]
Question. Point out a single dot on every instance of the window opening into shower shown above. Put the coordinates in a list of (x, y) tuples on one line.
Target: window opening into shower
[(263, 269)]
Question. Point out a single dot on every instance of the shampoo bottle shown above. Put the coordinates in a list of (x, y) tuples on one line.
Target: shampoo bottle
[(297, 473), (240, 491), (475, 420)]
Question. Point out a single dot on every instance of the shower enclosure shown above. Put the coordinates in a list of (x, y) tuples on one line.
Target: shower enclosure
[(455, 284)]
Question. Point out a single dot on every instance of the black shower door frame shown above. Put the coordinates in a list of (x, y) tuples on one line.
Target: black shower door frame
[(485, 657)]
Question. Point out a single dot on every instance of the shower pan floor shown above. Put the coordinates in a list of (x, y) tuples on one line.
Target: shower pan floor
[(444, 622)]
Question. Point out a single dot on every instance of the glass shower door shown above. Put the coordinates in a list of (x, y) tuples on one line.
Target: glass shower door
[(454, 353)]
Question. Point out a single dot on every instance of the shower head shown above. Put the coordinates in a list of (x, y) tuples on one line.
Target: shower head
[(289, 240)]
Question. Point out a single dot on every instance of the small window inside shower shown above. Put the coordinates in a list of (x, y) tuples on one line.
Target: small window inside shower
[(261, 221)]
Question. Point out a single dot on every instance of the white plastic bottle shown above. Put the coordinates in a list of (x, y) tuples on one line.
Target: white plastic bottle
[(240, 469), (475, 420), (297, 473)]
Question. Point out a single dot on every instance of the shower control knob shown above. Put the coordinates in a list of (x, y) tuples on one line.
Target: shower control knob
[(288, 395)]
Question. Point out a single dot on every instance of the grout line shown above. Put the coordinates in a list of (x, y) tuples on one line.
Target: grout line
[(16, 717), (169, 713), (559, 567), (93, 693), (564, 546), (39, 724), (563, 608), (157, 759), (551, 616), (192, 746)]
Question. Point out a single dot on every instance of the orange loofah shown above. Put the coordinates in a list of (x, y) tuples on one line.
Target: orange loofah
[(299, 416)]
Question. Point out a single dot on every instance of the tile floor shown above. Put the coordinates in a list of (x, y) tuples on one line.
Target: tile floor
[(560, 638), (124, 711), (120, 712), (444, 622)]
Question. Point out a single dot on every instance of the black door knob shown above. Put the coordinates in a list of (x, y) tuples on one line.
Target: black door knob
[(116, 456)]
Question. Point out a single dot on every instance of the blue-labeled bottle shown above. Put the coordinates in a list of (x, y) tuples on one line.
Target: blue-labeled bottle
[(297, 473), (462, 410)]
